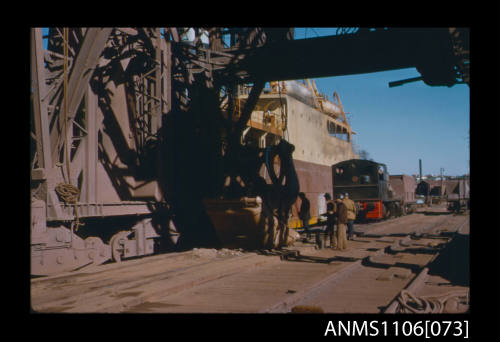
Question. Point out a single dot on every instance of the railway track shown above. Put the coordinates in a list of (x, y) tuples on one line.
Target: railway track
[(382, 260)]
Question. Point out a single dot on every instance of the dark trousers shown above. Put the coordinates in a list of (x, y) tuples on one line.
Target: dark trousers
[(305, 222), (330, 233), (350, 229)]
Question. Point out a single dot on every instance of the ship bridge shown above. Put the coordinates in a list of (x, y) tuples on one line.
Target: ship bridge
[(269, 118)]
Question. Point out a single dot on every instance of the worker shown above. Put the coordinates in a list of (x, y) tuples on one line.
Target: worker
[(331, 209), (304, 212), (188, 35), (274, 86), (341, 223), (328, 198), (351, 215)]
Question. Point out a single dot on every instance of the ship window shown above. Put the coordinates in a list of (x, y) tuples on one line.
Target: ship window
[(331, 128), (337, 131)]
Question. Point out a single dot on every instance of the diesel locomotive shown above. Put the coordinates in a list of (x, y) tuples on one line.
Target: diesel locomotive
[(368, 185)]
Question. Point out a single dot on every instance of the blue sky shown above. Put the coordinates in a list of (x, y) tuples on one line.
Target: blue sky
[(398, 126)]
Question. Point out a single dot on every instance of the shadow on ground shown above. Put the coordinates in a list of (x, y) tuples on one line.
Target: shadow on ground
[(291, 255), (434, 213), (320, 260), (453, 262), (367, 262)]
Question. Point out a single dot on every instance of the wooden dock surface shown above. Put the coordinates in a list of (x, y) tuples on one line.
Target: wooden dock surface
[(382, 260)]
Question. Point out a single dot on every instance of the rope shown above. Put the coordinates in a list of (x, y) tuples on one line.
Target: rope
[(284, 118), (410, 303), (67, 192), (65, 100)]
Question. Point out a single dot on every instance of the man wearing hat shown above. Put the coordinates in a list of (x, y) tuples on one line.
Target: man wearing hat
[(351, 215), (341, 223)]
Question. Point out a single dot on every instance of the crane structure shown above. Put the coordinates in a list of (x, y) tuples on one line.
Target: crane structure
[(134, 131)]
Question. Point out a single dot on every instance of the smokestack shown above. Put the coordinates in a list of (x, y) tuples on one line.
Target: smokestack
[(420, 168)]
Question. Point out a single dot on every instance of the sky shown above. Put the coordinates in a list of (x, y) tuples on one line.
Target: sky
[(400, 125)]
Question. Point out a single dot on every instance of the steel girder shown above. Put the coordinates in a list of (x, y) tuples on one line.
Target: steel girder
[(430, 50)]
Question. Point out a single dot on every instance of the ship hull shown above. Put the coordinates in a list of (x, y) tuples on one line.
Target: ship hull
[(315, 180)]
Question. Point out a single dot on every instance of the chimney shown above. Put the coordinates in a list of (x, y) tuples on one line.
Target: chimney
[(420, 168)]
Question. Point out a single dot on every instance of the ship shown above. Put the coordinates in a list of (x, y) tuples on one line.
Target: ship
[(318, 128)]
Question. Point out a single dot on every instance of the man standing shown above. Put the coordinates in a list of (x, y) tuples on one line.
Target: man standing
[(341, 224), (328, 198), (304, 212), (330, 214), (351, 215)]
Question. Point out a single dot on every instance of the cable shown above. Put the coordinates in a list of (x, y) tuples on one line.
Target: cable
[(68, 192), (65, 99), (284, 118)]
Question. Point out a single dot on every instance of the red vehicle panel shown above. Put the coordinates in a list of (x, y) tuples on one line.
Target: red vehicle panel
[(375, 213)]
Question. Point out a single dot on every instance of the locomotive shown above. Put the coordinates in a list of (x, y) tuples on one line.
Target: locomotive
[(368, 185)]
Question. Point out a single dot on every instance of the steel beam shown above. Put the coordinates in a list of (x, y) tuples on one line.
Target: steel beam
[(93, 43), (88, 57), (90, 183), (249, 106), (381, 50), (39, 106), (167, 70), (157, 105)]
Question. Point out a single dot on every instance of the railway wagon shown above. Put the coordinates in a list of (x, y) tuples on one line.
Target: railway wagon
[(367, 183), (458, 195), (404, 187)]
